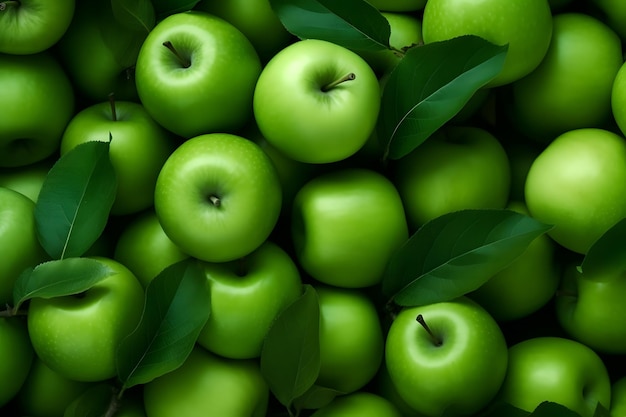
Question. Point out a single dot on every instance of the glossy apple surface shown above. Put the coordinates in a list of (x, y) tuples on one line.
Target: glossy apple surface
[(359, 404), (16, 348)]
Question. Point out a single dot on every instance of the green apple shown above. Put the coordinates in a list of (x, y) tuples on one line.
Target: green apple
[(618, 99), (447, 357), (316, 101), (17, 354), (618, 397), (246, 297), (196, 74), (555, 369), (37, 99), (218, 197), (614, 13), (345, 225), (359, 404), (78, 335), (398, 5), (33, 26), (139, 148), (524, 25), (27, 179), (459, 167), (575, 185), (571, 88), (208, 385)]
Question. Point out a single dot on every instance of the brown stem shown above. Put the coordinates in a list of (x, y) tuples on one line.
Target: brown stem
[(333, 84), (215, 200), (435, 339), (8, 3), (112, 103), (184, 62)]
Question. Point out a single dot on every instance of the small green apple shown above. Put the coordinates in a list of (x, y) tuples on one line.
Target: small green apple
[(27, 179), (18, 355), (359, 404)]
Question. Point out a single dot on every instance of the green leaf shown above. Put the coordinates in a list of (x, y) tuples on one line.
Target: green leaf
[(429, 86), (290, 357), (607, 256), (354, 24), (94, 402), (164, 8), (177, 307), (456, 253), (552, 409), (75, 200), (58, 278), (137, 15), (316, 397), (601, 411)]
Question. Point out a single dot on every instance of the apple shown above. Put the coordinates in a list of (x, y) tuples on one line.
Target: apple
[(555, 369), (208, 385), (575, 185), (139, 148), (459, 167), (524, 25), (449, 356), (358, 404), (37, 99), (196, 73), (618, 99), (77, 335), (16, 349), (345, 225), (246, 297), (618, 397), (398, 5), (33, 26), (218, 197), (316, 101), (27, 179), (613, 12)]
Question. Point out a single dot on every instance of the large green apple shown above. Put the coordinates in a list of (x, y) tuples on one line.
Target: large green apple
[(37, 99), (359, 404), (575, 185), (524, 25), (317, 101), (345, 226), (218, 197), (78, 335), (555, 369), (446, 357), (196, 74), (17, 354), (208, 385)]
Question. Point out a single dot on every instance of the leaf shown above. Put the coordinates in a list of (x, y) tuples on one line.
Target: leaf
[(456, 253), (164, 8), (75, 200), (94, 402), (136, 15), (354, 24), (429, 86), (58, 278), (315, 397), (607, 256), (552, 409), (290, 357), (177, 307)]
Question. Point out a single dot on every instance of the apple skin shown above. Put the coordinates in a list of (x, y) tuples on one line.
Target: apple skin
[(78, 336), (36, 82), (359, 404), (574, 184), (16, 348), (555, 369), (214, 93), (246, 297), (208, 385), (525, 25), (299, 117), (460, 376), (618, 99), (614, 13), (33, 26), (232, 170), (139, 148), (618, 397), (345, 225), (27, 179)]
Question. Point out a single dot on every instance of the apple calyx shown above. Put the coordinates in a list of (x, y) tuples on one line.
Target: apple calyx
[(436, 341), (186, 63), (215, 200), (4, 5), (112, 103), (348, 77)]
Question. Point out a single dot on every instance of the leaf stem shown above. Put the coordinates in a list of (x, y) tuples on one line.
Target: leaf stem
[(348, 77), (186, 63), (8, 3), (420, 319)]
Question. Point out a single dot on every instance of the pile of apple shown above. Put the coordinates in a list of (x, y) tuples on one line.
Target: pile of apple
[(312, 208)]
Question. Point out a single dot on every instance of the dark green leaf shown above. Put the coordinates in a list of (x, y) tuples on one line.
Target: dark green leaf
[(354, 24), (290, 357), (58, 278), (601, 411), (94, 402), (177, 307), (456, 253), (429, 86), (607, 256), (315, 397), (75, 200), (552, 409), (164, 8), (136, 15)]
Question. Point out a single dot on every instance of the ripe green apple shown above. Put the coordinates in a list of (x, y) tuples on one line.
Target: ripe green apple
[(33, 26), (27, 179), (618, 98), (246, 297), (618, 397), (398, 5), (614, 13), (17, 354), (316, 101), (208, 385), (459, 167), (524, 25), (37, 99), (359, 404), (447, 357), (555, 369), (571, 88), (218, 197), (196, 74), (575, 185), (139, 148), (345, 225), (77, 335)]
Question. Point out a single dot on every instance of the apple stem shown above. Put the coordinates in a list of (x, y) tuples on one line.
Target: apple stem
[(435, 339), (112, 103), (215, 200), (333, 84), (184, 62), (8, 3)]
